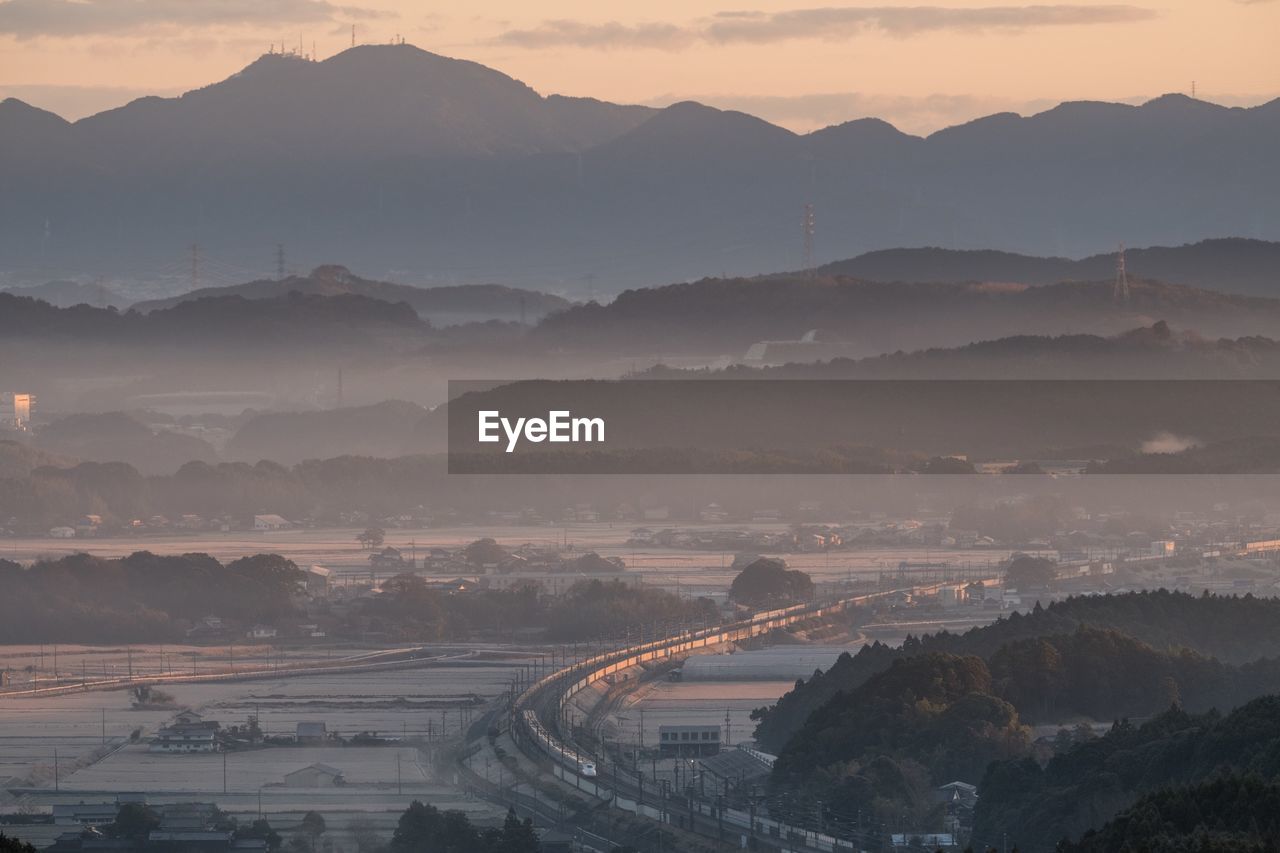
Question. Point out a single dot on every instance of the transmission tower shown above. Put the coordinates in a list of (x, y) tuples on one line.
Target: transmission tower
[(808, 223), (1120, 292), (280, 261)]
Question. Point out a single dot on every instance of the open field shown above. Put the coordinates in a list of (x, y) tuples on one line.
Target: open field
[(427, 703), (134, 768)]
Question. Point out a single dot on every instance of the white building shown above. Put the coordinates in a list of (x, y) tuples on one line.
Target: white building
[(270, 522)]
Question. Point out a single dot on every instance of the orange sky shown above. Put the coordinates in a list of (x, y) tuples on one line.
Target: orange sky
[(921, 64)]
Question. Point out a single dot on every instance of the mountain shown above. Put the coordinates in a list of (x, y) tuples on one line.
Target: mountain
[(383, 102), (727, 316), (64, 294), (118, 437), (400, 160), (221, 321), (1234, 265), (437, 304), (1153, 352), (383, 429)]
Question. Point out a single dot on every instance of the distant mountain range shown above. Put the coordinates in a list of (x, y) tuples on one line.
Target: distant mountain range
[(392, 158), (727, 316), (1231, 265), (460, 303), (65, 294)]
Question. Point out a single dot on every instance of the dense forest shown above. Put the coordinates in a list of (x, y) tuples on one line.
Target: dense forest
[(1181, 631), (954, 715), (149, 598), (141, 597), (1186, 763), (1230, 814)]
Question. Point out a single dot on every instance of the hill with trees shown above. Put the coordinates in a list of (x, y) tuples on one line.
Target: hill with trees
[(1233, 265), (1140, 778), (953, 715), (729, 315), (383, 429), (1235, 630), (1146, 352), (1223, 815), (439, 305)]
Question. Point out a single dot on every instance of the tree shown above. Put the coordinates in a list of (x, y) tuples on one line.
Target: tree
[(314, 827), (517, 836), (146, 696), (372, 537), (260, 828), (767, 581), (13, 845), (1025, 572), (485, 551), (134, 820)]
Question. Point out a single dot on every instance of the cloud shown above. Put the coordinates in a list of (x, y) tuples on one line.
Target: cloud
[(827, 23), (562, 33), (65, 18), (839, 22)]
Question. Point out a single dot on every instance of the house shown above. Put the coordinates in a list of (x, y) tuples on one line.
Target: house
[(389, 558), (315, 580), (187, 733), (713, 513), (208, 628), (62, 532), (558, 583), (311, 732), (85, 814), (261, 632), (270, 522), (315, 776), (689, 740)]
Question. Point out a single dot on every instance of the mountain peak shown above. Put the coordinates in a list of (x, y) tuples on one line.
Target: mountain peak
[(13, 109), (688, 129)]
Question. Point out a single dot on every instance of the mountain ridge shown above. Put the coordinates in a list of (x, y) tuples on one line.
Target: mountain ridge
[(397, 159)]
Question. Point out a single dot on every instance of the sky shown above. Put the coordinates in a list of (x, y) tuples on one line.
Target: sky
[(920, 64)]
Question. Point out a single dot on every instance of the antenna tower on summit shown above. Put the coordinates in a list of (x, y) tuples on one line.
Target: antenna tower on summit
[(1120, 292), (808, 224)]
